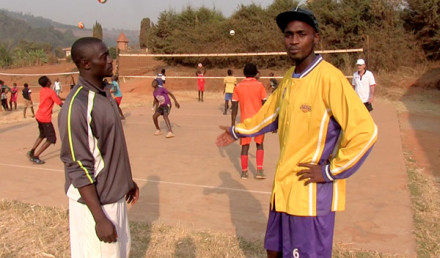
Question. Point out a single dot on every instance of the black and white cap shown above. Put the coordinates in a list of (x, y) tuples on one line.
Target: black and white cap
[(297, 14)]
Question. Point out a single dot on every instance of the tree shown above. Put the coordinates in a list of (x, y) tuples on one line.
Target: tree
[(422, 18), (143, 33), (97, 31), (113, 52), (5, 56), (374, 25)]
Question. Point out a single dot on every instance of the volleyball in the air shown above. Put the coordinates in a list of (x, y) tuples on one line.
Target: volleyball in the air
[(80, 25), (102, 1), (232, 32)]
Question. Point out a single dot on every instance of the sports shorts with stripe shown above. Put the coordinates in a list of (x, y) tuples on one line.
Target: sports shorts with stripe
[(296, 236)]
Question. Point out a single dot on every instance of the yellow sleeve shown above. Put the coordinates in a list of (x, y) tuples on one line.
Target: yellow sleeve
[(266, 119), (358, 130)]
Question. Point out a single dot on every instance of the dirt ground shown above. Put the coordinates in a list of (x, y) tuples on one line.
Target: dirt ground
[(201, 187)]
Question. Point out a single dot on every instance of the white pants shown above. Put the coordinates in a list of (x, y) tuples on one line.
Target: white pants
[(84, 242)]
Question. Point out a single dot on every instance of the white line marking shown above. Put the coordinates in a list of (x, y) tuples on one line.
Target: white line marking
[(154, 181), (204, 186), (38, 167)]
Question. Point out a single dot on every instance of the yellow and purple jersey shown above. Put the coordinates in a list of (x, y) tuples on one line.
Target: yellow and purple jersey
[(320, 120)]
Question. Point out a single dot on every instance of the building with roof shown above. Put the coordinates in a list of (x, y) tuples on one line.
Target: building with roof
[(122, 42)]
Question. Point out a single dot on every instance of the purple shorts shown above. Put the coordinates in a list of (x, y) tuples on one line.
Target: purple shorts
[(296, 236)]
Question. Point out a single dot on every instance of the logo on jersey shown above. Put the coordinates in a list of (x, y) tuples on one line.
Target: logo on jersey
[(305, 108)]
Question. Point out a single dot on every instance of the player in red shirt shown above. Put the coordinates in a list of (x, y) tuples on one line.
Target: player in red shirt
[(44, 118), (251, 95), (200, 85)]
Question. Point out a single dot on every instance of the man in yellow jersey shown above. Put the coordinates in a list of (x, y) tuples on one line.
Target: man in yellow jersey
[(325, 134)]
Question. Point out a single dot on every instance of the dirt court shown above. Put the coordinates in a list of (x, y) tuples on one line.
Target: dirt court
[(189, 181)]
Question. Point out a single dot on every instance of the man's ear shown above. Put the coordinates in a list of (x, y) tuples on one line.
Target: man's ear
[(85, 63), (316, 38)]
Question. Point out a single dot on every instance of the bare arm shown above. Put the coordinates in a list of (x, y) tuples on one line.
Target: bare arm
[(174, 98), (133, 195), (105, 230), (155, 103), (225, 138), (371, 98)]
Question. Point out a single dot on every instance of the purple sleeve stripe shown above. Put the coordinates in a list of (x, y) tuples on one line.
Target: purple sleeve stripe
[(269, 128), (326, 173), (354, 168), (232, 132)]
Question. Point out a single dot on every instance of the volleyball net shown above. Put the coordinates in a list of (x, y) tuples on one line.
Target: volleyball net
[(140, 60), (32, 78), (142, 65)]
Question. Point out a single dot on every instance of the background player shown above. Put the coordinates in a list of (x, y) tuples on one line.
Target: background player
[(162, 107), (229, 83), (116, 90), (161, 78), (200, 85), (364, 83), (251, 95), (44, 118)]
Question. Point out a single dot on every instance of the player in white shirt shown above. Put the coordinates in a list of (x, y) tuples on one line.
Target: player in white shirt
[(57, 87), (363, 83)]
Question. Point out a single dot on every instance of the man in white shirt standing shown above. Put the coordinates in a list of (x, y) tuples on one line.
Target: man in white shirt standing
[(57, 87), (364, 83)]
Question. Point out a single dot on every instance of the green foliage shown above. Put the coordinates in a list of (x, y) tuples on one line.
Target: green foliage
[(22, 44), (422, 18), (143, 33), (28, 54), (112, 51), (374, 25), (5, 56), (97, 31)]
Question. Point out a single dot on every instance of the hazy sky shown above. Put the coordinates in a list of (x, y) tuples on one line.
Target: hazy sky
[(125, 14)]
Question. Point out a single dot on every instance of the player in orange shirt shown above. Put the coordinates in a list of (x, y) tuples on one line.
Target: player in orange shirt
[(44, 118), (251, 95)]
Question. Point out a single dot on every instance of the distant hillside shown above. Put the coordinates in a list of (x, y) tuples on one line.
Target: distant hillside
[(13, 30), (18, 26)]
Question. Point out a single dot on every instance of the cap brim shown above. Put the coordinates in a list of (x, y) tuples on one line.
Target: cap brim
[(284, 18)]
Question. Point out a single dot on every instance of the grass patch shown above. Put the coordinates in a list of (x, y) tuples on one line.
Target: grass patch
[(33, 231), (425, 195), (36, 231)]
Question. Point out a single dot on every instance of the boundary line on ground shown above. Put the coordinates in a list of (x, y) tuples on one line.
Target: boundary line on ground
[(147, 180)]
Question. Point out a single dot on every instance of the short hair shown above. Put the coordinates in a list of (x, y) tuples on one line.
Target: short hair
[(78, 52), (250, 70), (26, 85), (229, 72), (162, 71), (1, 82), (115, 78), (43, 81)]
